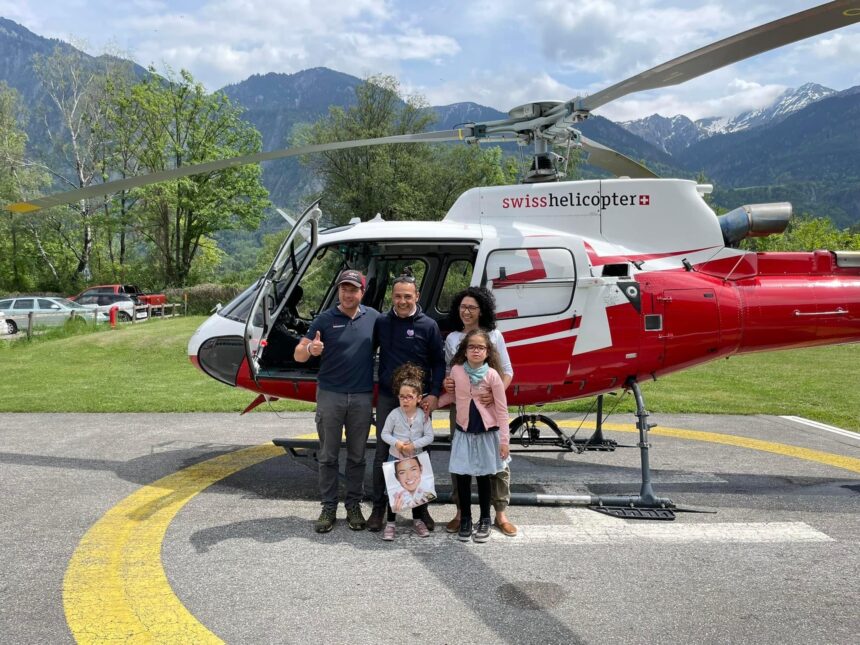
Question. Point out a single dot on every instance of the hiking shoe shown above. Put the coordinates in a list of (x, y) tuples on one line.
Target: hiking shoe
[(374, 522), (355, 519), (453, 526), (326, 520), (388, 533), (482, 532), (428, 521), (420, 528), (465, 531)]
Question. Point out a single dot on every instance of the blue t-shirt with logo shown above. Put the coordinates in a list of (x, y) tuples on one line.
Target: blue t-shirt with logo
[(346, 364)]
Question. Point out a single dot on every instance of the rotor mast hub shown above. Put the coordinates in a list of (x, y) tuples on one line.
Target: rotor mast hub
[(546, 123)]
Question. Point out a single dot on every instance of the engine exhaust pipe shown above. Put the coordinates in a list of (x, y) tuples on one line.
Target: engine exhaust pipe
[(754, 220)]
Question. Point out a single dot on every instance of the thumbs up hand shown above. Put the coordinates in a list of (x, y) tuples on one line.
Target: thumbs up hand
[(315, 348)]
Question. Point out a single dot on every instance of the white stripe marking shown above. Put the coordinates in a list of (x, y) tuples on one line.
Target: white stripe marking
[(590, 527), (823, 426)]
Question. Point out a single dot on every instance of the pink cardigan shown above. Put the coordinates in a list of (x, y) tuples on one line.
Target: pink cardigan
[(464, 391)]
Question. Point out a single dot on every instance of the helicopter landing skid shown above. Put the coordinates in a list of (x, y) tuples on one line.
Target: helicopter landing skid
[(628, 513), (646, 505), (528, 431)]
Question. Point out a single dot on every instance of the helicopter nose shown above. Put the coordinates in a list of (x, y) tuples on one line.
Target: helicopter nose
[(221, 357)]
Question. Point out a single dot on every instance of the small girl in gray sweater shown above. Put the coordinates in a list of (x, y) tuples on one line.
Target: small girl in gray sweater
[(407, 431)]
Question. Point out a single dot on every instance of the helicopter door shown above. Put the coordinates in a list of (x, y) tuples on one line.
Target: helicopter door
[(290, 263), (533, 288), (691, 325)]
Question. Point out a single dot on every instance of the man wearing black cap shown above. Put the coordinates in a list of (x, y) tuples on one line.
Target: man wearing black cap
[(343, 339)]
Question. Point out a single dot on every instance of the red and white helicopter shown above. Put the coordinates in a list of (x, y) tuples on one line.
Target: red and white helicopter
[(599, 284)]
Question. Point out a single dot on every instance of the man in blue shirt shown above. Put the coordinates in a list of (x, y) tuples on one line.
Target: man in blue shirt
[(343, 339), (404, 335)]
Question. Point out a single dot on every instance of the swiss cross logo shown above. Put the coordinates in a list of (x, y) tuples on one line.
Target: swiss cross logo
[(644, 200)]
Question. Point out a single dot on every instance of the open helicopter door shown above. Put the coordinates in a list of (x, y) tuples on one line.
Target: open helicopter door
[(278, 283)]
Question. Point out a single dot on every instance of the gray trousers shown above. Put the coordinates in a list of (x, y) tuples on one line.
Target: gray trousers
[(336, 411), (385, 404), (500, 483)]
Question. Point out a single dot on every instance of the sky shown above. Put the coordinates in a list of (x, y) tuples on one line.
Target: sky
[(499, 53)]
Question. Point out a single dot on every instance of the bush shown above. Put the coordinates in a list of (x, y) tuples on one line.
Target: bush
[(203, 298)]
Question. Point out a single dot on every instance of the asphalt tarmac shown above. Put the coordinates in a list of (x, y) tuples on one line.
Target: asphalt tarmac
[(190, 528)]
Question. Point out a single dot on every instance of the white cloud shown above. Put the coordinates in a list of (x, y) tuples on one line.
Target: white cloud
[(613, 40)]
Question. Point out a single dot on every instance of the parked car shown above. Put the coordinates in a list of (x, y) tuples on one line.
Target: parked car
[(47, 311), (7, 326), (128, 308)]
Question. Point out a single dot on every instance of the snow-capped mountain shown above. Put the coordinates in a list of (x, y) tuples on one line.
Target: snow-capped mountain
[(679, 132)]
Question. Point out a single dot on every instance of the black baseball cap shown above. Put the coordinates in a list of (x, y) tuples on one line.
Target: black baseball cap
[(351, 276)]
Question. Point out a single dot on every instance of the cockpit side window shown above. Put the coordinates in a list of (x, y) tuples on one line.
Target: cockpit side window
[(457, 277)]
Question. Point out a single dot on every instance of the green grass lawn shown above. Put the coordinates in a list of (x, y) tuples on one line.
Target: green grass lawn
[(144, 368)]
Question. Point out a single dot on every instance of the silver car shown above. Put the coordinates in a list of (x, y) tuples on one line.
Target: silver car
[(47, 312), (127, 308)]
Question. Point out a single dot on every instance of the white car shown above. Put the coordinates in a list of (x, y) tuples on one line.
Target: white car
[(47, 312), (7, 325), (104, 302)]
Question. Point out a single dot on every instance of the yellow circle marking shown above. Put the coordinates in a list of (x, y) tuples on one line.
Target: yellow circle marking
[(828, 458), (115, 588)]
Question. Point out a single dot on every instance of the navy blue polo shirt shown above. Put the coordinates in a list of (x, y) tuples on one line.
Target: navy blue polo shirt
[(346, 364)]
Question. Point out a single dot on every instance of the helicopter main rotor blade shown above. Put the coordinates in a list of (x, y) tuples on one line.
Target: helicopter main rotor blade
[(784, 31), (615, 162), (110, 187)]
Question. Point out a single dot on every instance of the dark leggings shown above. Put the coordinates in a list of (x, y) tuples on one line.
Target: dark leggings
[(416, 512), (464, 491)]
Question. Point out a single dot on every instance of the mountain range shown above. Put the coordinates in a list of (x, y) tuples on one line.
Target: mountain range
[(675, 134), (803, 148)]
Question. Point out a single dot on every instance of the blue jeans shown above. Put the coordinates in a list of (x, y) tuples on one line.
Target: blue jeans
[(336, 411)]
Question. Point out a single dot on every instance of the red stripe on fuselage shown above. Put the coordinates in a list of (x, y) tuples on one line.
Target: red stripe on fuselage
[(540, 330), (597, 260)]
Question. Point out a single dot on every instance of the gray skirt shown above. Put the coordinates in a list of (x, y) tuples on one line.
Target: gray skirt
[(475, 454)]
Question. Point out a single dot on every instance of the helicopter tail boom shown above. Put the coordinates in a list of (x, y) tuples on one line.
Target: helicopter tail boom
[(801, 300)]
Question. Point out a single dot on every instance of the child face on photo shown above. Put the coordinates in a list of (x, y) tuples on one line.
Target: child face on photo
[(408, 473)]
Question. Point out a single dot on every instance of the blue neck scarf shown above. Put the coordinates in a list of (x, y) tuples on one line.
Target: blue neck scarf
[(476, 375)]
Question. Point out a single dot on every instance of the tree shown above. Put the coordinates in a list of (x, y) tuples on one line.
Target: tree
[(807, 233), (17, 255), (76, 88), (402, 181), (123, 136), (180, 125)]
